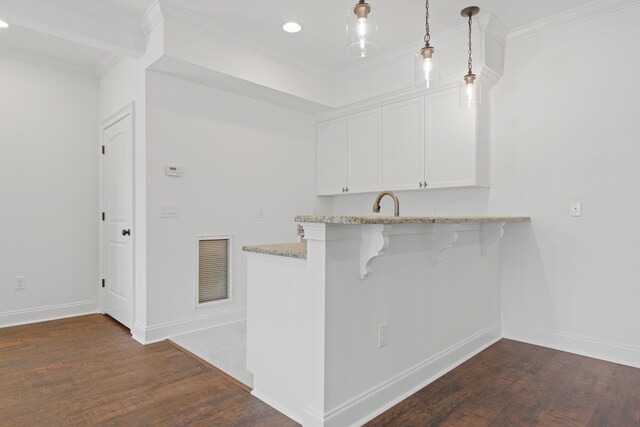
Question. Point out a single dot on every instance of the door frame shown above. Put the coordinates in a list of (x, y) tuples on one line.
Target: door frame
[(111, 120)]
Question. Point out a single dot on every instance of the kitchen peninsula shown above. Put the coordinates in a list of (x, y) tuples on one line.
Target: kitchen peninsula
[(369, 311)]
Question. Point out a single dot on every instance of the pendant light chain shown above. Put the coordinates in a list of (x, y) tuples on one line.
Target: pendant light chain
[(470, 51), (427, 35)]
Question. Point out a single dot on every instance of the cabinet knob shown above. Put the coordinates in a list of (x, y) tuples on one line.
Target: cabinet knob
[(425, 184), (420, 184), (347, 189), (343, 189)]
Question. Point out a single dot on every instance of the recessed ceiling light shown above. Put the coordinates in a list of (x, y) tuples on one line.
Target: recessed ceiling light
[(3, 24), (292, 27)]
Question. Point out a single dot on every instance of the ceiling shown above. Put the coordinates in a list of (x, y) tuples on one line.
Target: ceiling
[(322, 41), (321, 44)]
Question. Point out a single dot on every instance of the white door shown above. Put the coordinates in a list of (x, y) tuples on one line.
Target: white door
[(403, 145), (117, 206), (331, 149), (365, 152)]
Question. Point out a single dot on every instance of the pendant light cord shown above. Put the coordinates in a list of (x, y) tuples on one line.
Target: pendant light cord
[(427, 33), (470, 61)]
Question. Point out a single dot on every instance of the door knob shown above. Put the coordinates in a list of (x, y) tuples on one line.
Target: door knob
[(126, 232)]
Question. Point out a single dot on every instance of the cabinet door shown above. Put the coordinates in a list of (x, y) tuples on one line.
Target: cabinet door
[(450, 145), (331, 150), (365, 151), (403, 145)]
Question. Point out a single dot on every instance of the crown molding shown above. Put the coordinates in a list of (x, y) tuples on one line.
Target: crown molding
[(151, 18), (46, 62), (98, 12), (486, 77), (173, 12), (492, 26), (573, 16)]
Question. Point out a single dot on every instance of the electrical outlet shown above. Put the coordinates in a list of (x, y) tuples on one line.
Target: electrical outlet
[(20, 283), (383, 335)]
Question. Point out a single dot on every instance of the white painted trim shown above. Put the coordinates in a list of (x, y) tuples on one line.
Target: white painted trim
[(46, 62), (151, 18), (97, 12), (576, 344), (50, 312), (377, 400), (175, 13), (383, 100), (162, 331), (564, 19)]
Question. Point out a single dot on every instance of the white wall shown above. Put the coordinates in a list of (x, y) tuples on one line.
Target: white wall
[(564, 129), (48, 191), (238, 155)]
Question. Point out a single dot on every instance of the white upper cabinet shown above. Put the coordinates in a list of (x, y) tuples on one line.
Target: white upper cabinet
[(365, 151), (403, 145), (332, 155), (419, 143), (450, 143)]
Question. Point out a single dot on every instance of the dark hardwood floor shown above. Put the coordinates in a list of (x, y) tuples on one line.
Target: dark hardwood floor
[(517, 384), (88, 371)]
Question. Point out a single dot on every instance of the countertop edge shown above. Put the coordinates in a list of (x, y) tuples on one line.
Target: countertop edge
[(287, 250), (362, 220)]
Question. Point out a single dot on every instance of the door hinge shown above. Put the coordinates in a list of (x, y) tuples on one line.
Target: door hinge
[(103, 149), (103, 283), (103, 216)]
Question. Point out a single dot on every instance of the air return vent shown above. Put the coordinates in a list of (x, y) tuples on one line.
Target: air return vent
[(214, 265)]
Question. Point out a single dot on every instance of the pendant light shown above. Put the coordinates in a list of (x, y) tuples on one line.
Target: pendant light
[(428, 63), (362, 31), (469, 90)]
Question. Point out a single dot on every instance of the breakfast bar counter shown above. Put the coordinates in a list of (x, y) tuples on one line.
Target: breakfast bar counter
[(369, 310)]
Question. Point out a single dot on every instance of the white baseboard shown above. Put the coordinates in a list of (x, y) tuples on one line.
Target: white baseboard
[(50, 312), (160, 332), (584, 346), (384, 396)]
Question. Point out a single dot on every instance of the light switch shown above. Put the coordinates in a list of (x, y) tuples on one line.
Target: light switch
[(576, 209), (169, 210)]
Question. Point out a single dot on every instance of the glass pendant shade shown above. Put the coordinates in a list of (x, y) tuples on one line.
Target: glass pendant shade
[(362, 30), (427, 68), (470, 95), (469, 88)]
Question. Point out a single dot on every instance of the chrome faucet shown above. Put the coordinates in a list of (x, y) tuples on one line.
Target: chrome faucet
[(396, 202)]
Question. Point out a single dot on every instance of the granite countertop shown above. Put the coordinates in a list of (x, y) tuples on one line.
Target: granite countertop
[(405, 219), (290, 250)]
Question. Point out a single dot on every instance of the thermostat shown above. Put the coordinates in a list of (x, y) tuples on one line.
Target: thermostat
[(173, 170)]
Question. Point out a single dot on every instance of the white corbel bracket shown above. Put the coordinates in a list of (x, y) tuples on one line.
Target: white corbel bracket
[(374, 239), (490, 235), (443, 238)]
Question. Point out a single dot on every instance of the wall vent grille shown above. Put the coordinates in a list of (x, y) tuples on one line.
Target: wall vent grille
[(213, 269)]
